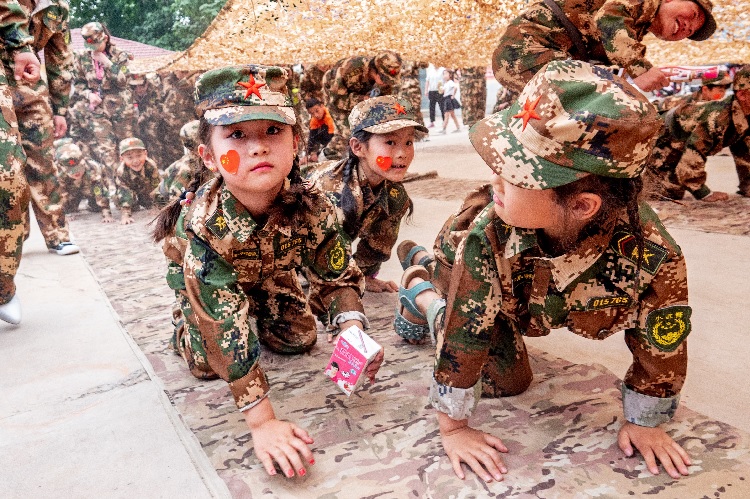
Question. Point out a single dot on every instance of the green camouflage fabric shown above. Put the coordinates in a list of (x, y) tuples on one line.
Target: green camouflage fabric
[(572, 118), (148, 101), (177, 108), (612, 32), (13, 189), (49, 27), (240, 282), (90, 185), (345, 85), (409, 88), (383, 115), (135, 188), (693, 132), (376, 214), (504, 99), (179, 174), (99, 130), (504, 288), (473, 94)]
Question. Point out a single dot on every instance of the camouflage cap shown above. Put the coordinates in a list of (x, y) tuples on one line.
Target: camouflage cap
[(131, 144), (93, 34), (721, 78), (709, 25), (570, 120), (68, 156), (243, 93), (189, 135), (742, 78), (388, 66), (382, 115)]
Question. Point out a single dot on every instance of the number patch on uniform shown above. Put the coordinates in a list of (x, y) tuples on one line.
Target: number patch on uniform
[(666, 328), (600, 302)]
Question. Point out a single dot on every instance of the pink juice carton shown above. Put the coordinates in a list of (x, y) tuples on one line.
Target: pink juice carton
[(353, 352)]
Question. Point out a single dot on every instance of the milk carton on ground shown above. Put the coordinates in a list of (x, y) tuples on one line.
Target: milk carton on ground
[(352, 354)]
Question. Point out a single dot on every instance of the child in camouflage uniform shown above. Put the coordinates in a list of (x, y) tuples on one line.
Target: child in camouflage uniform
[(179, 174), (234, 250), (81, 178), (559, 240), (136, 178), (366, 186), (608, 31)]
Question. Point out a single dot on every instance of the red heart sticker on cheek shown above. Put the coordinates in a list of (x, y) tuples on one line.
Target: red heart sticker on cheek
[(384, 162), (231, 161)]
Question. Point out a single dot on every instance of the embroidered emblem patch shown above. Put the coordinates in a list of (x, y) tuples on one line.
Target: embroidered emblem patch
[(253, 88), (397, 197), (529, 112), (653, 255), (601, 302), (217, 224), (521, 280), (284, 247), (667, 327), (247, 254), (399, 109), (337, 257)]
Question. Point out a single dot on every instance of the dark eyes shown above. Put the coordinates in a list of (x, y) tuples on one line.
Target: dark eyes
[(273, 130), (239, 134)]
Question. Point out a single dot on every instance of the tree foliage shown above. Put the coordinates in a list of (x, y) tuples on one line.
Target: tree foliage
[(170, 24)]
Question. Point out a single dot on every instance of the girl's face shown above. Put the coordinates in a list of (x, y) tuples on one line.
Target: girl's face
[(446, 76), (527, 208), (253, 157), (386, 156)]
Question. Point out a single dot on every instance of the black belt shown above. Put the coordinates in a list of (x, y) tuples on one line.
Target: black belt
[(573, 32)]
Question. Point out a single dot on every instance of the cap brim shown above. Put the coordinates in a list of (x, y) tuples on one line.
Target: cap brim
[(237, 114), (91, 46), (707, 30), (516, 164), (132, 149), (392, 126)]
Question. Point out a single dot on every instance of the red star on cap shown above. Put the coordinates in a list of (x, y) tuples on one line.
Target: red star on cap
[(399, 109), (252, 87), (528, 112)]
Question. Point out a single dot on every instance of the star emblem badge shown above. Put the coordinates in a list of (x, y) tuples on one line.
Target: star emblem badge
[(252, 87), (528, 112), (399, 109)]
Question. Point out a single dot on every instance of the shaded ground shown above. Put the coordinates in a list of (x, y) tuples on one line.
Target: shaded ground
[(383, 440)]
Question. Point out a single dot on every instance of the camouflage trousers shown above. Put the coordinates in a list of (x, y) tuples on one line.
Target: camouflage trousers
[(283, 322), (339, 144), (36, 128), (98, 135), (13, 193)]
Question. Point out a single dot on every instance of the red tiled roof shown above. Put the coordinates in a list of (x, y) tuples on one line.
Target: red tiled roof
[(139, 50)]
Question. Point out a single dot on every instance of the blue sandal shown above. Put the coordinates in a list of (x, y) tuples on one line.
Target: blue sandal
[(407, 300), (406, 251)]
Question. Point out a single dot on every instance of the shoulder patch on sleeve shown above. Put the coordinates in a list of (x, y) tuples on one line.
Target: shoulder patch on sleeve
[(625, 245), (667, 327), (336, 257), (217, 224)]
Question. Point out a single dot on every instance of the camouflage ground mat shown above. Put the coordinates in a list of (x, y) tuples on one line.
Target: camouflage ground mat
[(383, 441)]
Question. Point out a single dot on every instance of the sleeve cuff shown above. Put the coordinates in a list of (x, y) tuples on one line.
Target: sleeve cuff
[(352, 315), (702, 192), (456, 403), (249, 389), (645, 410)]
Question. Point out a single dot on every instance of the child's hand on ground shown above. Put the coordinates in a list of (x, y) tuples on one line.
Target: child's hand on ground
[(654, 444), (375, 285), (480, 450), (126, 220), (107, 219), (280, 442), (374, 366)]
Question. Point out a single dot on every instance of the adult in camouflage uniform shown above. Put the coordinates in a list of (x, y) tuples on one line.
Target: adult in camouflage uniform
[(148, 106), (349, 82), (473, 94), (81, 178), (609, 31), (711, 89), (178, 175), (17, 43), (38, 121), (522, 272), (409, 89), (504, 99), (176, 110), (692, 133), (102, 110), (238, 243), (370, 198), (136, 178)]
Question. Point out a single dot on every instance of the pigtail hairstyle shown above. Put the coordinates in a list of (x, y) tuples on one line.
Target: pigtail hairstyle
[(298, 200)]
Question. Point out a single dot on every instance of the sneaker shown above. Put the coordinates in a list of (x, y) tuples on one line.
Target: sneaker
[(432, 125), (11, 311), (456, 130), (65, 248)]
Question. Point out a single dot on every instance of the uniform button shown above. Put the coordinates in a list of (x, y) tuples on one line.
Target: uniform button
[(602, 333)]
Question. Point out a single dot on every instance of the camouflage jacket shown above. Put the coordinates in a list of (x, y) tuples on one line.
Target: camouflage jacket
[(228, 258), (14, 27), (132, 186), (612, 30), (311, 83), (177, 177), (112, 88), (49, 27), (698, 130), (376, 215), (348, 83), (90, 185), (501, 274)]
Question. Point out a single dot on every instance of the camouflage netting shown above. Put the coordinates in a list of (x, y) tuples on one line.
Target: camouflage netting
[(452, 33)]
